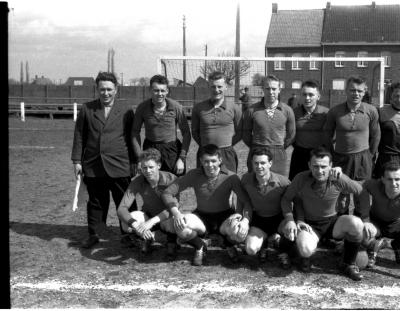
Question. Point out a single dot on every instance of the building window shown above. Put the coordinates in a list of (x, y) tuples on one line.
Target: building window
[(296, 84), (338, 84), (388, 58), (339, 63), (362, 63), (313, 63), (278, 64), (296, 63), (281, 84), (78, 82)]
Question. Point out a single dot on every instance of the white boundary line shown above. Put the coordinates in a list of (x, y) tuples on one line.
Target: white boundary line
[(31, 147), (213, 287)]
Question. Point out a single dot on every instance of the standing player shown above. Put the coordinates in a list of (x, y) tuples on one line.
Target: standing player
[(265, 190), (389, 120), (310, 119), (218, 122), (356, 127), (381, 216), (162, 116), (100, 151), (270, 123), (316, 215), (149, 186), (212, 185)]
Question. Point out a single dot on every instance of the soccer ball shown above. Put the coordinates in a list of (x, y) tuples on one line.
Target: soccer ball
[(362, 259)]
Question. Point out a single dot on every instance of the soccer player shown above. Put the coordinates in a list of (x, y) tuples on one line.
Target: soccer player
[(217, 121), (212, 184), (265, 190), (381, 215), (356, 127), (389, 120), (270, 123), (310, 120), (153, 212), (316, 216), (162, 116), (101, 152)]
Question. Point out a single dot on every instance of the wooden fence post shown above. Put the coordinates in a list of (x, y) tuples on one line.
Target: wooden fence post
[(22, 112), (75, 111)]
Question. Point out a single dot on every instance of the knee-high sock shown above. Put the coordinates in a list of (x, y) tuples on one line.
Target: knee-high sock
[(196, 242), (287, 246), (350, 252)]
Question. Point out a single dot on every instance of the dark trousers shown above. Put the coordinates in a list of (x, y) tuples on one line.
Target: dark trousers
[(229, 158), (169, 153), (299, 162), (99, 189)]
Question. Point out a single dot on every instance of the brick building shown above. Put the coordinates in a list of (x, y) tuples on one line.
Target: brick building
[(336, 31)]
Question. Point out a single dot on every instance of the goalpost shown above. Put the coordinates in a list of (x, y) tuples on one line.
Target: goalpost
[(196, 68)]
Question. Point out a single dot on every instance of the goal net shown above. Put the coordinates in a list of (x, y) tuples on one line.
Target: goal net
[(241, 72)]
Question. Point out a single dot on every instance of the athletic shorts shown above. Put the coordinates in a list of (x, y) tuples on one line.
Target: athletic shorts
[(213, 221), (383, 226), (267, 224), (357, 166), (323, 228)]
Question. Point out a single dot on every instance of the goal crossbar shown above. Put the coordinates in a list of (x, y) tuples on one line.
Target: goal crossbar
[(381, 60)]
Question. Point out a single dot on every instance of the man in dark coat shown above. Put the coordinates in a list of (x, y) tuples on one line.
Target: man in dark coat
[(102, 153)]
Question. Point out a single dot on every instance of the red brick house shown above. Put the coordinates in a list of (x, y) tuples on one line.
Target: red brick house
[(336, 31)]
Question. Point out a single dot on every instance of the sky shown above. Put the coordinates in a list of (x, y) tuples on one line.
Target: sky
[(60, 39)]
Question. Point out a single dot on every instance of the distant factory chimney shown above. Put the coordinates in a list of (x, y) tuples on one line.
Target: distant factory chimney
[(21, 73), (27, 72), (112, 61), (274, 7)]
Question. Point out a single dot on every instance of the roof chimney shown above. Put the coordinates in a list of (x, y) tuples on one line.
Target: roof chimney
[(274, 7), (373, 4), (328, 5)]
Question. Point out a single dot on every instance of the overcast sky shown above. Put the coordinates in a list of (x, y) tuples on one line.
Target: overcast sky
[(71, 38)]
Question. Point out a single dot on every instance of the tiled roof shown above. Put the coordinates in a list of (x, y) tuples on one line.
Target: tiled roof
[(362, 24), (290, 28)]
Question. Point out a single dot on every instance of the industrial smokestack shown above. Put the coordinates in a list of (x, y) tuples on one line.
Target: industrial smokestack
[(27, 72), (21, 73)]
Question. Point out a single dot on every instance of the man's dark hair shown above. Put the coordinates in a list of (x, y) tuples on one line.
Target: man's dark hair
[(150, 154), (106, 76), (216, 75), (395, 86), (390, 167), (321, 152), (270, 78), (210, 150), (311, 83), (355, 80), (257, 151), (159, 79)]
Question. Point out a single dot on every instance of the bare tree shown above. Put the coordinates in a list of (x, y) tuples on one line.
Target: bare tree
[(226, 67)]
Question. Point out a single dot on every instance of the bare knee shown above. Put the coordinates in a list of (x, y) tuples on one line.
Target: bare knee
[(251, 249), (349, 227)]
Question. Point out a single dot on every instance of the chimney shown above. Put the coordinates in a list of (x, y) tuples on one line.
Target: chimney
[(373, 4), (328, 5), (275, 8)]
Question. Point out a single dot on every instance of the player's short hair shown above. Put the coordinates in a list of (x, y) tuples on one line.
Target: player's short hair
[(159, 79), (246, 88), (311, 83), (216, 75), (391, 167), (150, 154), (257, 151), (270, 78), (321, 152), (395, 86), (106, 76), (210, 150), (355, 80)]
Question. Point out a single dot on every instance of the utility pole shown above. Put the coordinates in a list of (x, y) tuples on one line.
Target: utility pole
[(184, 50), (205, 62), (237, 54), (122, 79)]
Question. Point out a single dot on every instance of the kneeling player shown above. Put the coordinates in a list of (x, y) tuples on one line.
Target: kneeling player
[(265, 190), (316, 214), (212, 184), (382, 216), (149, 186)]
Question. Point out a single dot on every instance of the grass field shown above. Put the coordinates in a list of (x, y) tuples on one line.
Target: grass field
[(49, 270)]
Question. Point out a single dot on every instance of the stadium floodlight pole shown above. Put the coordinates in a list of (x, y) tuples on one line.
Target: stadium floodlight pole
[(237, 54), (184, 50), (381, 60)]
